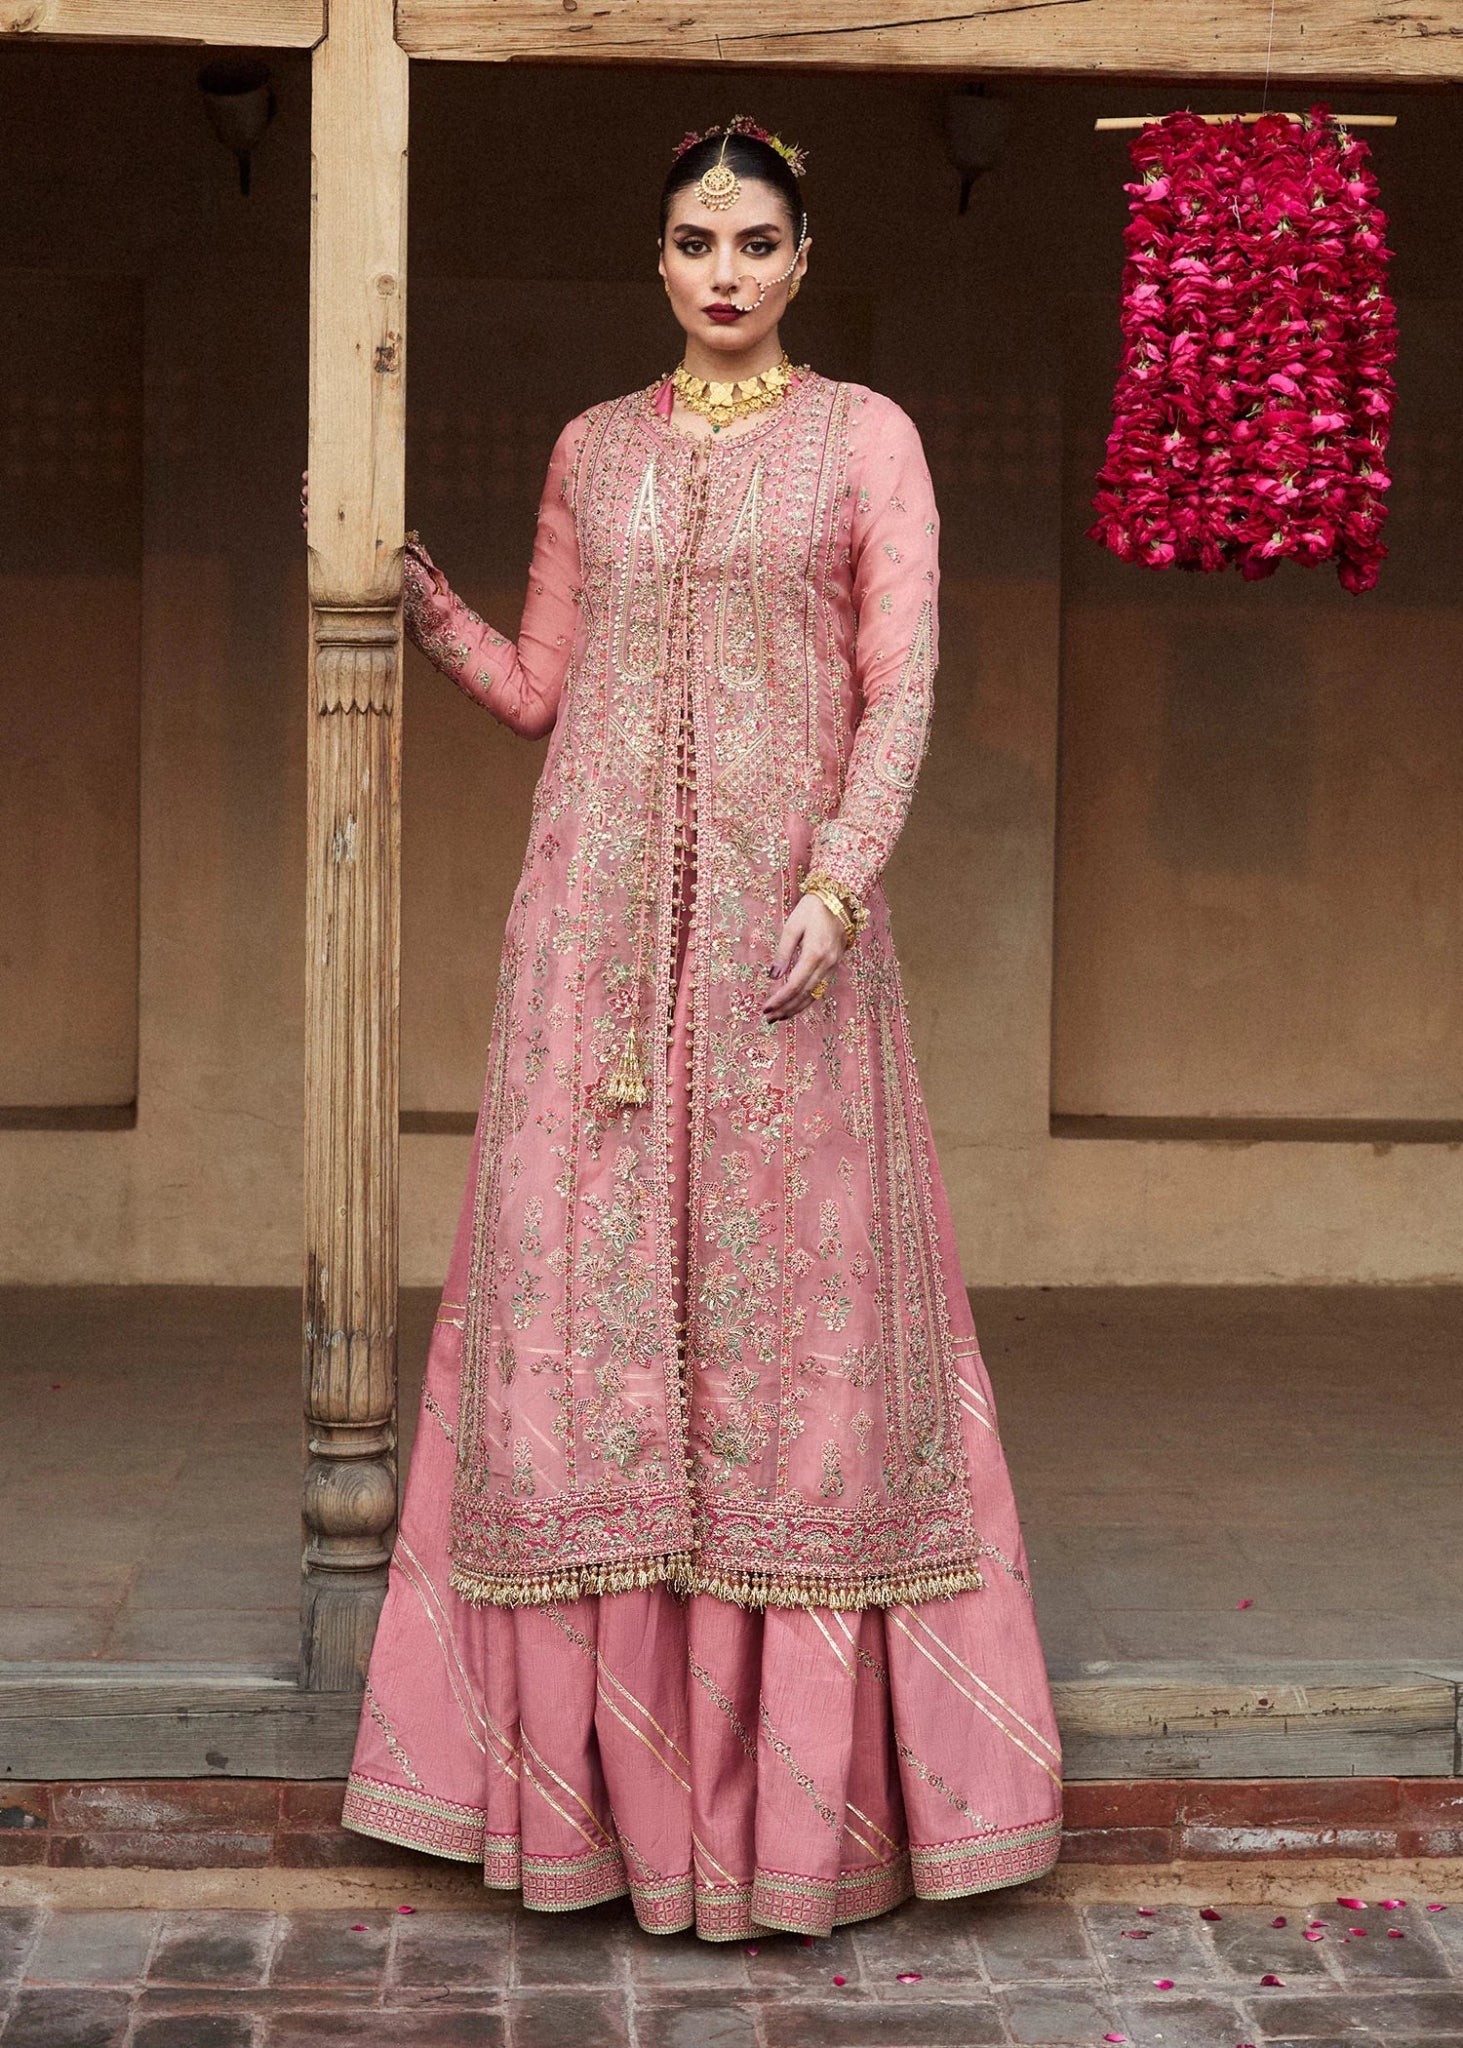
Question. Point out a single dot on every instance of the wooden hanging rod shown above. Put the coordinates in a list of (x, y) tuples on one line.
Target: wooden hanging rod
[(1113, 121)]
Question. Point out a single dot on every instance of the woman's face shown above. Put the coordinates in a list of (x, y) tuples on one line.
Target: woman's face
[(716, 262)]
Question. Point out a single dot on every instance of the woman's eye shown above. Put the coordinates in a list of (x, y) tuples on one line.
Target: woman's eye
[(691, 246), (760, 248)]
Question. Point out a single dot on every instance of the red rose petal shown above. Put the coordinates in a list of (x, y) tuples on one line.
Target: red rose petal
[(1437, 1909), (1314, 1934), (359, 1927), (1280, 1921), (406, 1909), (910, 1977), (1114, 2037), (1243, 1603), (1163, 1983), (840, 1980), (1208, 1913), (1356, 1905), (1356, 1930), (1271, 1978), (1148, 1911), (1395, 1934), (1391, 1905)]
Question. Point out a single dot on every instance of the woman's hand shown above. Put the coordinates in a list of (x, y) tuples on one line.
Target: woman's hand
[(811, 946)]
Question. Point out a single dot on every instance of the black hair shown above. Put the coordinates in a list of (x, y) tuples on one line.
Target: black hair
[(749, 158)]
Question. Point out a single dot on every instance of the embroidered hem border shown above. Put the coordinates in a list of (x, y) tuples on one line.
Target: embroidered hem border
[(780, 1900), (413, 1819), (733, 1582)]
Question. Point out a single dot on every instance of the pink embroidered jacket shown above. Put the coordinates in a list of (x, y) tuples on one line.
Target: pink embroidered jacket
[(747, 626)]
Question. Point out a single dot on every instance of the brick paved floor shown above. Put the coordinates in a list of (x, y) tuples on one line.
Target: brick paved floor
[(999, 1970)]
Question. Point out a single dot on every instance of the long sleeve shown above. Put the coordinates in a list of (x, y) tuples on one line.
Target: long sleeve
[(519, 682), (894, 549)]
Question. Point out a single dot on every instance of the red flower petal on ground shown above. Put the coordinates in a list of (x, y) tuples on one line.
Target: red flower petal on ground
[(1271, 1978)]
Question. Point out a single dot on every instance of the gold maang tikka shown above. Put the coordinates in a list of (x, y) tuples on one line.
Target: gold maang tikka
[(718, 186)]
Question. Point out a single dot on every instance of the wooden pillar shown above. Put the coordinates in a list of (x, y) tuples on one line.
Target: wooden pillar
[(357, 395)]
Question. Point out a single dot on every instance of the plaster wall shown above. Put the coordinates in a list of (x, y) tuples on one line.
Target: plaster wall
[(1179, 851)]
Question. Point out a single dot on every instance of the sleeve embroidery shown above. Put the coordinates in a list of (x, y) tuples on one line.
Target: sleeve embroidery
[(895, 563), (520, 683)]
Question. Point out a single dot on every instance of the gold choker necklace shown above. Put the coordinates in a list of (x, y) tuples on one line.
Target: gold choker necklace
[(723, 403)]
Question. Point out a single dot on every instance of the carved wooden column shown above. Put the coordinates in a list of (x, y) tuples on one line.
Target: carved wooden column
[(357, 393)]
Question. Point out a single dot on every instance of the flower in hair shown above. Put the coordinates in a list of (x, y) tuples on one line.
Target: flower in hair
[(742, 124)]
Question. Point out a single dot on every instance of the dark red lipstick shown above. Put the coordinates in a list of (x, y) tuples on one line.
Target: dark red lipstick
[(724, 313)]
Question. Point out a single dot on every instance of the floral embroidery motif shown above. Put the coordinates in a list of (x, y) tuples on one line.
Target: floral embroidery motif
[(523, 1481), (832, 1483), (834, 1306)]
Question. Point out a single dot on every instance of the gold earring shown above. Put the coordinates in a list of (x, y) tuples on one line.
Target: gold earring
[(793, 289), (667, 283)]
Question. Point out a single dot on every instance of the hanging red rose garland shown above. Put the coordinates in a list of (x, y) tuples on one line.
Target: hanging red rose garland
[(1254, 396)]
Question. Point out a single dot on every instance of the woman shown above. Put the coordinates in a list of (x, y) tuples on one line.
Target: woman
[(709, 1586)]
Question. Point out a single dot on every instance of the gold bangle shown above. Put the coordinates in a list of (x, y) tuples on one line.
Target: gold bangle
[(851, 911), (835, 904)]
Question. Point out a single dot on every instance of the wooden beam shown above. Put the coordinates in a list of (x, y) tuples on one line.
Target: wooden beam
[(1158, 1720), (260, 24), (352, 1063), (169, 1721), (1240, 1719), (1357, 41)]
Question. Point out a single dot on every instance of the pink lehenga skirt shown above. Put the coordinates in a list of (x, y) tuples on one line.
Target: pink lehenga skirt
[(730, 1769)]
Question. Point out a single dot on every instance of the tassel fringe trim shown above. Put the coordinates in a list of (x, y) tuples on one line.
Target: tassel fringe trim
[(682, 1574)]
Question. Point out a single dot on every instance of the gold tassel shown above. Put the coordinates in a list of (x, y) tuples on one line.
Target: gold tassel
[(625, 1084)]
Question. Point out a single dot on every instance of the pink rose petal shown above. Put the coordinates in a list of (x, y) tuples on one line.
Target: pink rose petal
[(406, 1909), (1114, 2037), (1356, 1930), (1243, 1603), (359, 1927), (1437, 1909), (1395, 1934), (840, 1980), (910, 1977), (751, 1948), (1149, 1911), (1391, 1905), (1163, 1983), (1271, 1978), (1280, 1921), (1314, 1934), (1356, 1905), (1208, 1913)]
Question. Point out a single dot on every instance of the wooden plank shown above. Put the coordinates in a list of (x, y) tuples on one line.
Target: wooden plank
[(61, 1721), (353, 914), (261, 24), (117, 1721), (1356, 41), (1280, 1721)]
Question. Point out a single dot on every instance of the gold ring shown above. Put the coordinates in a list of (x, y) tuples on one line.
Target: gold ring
[(819, 991)]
